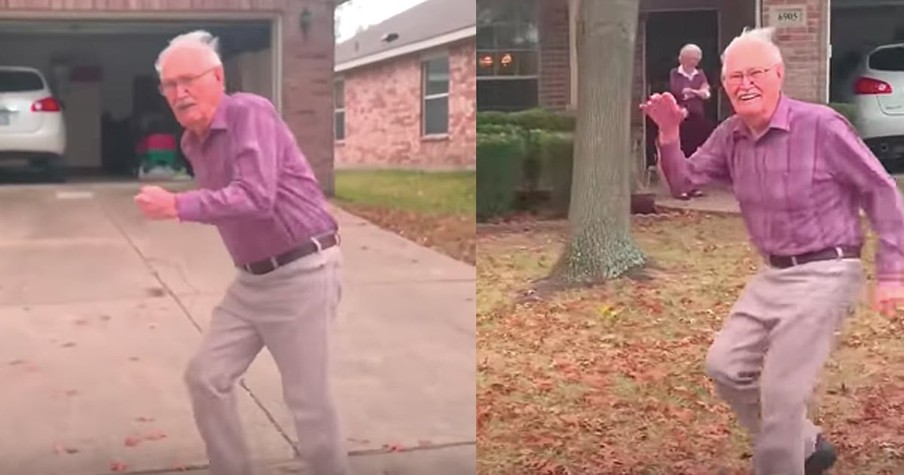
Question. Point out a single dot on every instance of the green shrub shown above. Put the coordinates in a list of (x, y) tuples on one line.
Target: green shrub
[(491, 128), (849, 111), (530, 119), (499, 159), (555, 151)]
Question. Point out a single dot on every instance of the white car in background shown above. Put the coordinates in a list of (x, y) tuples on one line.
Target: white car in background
[(32, 129), (878, 98)]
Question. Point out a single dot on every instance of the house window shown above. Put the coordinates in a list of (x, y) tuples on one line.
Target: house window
[(339, 110), (508, 55), (436, 96)]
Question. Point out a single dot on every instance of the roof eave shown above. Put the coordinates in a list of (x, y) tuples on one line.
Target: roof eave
[(436, 41)]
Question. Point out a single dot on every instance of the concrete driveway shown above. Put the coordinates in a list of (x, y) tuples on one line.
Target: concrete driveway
[(100, 310)]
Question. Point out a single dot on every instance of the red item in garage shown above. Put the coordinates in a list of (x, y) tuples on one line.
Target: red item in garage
[(160, 142)]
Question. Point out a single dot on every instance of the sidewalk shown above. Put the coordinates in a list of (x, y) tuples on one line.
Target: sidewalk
[(100, 311)]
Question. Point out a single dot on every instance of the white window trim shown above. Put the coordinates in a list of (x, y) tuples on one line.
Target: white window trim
[(444, 95)]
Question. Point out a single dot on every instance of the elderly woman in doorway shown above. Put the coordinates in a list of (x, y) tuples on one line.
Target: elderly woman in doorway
[(690, 87)]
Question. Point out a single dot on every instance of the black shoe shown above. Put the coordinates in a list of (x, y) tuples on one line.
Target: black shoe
[(821, 459)]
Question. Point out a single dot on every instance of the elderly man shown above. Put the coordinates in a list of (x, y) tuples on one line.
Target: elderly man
[(259, 191), (801, 175)]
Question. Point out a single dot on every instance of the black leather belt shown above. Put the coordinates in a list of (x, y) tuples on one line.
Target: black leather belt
[(839, 252), (315, 244)]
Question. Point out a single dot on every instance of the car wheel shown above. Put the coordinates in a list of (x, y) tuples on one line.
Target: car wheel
[(55, 169)]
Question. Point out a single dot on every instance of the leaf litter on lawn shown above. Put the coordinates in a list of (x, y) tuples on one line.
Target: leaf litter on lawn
[(609, 379)]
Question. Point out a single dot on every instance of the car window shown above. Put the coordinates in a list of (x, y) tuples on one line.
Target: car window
[(887, 59), (20, 81)]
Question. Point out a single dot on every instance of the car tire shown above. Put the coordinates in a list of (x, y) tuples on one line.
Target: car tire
[(55, 169)]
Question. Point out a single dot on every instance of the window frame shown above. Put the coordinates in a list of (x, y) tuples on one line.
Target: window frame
[(496, 51), (425, 62), (337, 81)]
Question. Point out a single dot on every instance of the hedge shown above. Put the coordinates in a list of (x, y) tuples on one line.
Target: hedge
[(499, 159), (849, 111), (530, 119), (555, 153)]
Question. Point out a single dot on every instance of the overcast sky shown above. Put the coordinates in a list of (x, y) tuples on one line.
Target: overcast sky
[(362, 13)]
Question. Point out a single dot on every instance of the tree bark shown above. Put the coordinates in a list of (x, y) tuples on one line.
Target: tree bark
[(600, 245)]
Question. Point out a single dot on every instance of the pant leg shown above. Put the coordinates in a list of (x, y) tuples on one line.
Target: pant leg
[(736, 358), (817, 298), (228, 348), (294, 320)]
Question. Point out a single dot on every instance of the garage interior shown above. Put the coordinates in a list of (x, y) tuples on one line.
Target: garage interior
[(858, 26), (103, 74)]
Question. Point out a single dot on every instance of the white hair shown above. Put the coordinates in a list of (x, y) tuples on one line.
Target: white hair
[(762, 36), (690, 48), (198, 38)]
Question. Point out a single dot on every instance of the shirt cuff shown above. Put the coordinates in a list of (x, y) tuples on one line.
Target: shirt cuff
[(188, 206)]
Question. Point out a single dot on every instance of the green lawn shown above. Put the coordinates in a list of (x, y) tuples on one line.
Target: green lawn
[(424, 192), (433, 209)]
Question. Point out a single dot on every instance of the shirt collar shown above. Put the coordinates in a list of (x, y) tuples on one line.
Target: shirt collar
[(685, 74), (219, 117), (781, 118), (217, 123)]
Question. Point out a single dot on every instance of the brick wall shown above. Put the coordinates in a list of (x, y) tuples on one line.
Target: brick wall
[(307, 62), (383, 115), (804, 49), (555, 76)]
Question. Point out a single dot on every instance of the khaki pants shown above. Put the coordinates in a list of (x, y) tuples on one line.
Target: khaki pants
[(289, 311), (766, 359)]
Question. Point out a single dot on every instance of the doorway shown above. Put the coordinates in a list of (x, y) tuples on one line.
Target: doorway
[(666, 33)]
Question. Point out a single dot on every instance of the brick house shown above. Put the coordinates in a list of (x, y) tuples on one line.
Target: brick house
[(282, 49), (405, 94), (714, 23), (539, 35)]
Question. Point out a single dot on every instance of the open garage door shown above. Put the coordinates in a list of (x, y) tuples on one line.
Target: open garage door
[(859, 26), (102, 72), (867, 72)]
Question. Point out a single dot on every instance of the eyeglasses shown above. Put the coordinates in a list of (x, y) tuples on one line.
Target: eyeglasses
[(754, 75), (171, 85)]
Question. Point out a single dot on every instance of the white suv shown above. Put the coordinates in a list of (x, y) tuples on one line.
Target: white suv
[(32, 129), (879, 102)]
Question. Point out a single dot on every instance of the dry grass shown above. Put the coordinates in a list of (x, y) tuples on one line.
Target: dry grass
[(609, 380), (433, 209)]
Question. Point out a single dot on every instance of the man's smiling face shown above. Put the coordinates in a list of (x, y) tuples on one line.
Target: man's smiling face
[(753, 81)]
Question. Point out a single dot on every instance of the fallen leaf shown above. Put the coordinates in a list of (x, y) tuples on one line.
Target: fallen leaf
[(144, 419), (16, 362), (71, 392), (118, 466), (81, 322), (131, 441), (105, 318), (393, 447), (134, 358), (68, 344)]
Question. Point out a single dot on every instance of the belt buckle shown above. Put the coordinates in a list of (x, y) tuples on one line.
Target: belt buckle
[(839, 253), (273, 263), (317, 244), (794, 261)]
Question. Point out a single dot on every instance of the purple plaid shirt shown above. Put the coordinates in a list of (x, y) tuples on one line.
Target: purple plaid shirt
[(801, 185), (255, 184)]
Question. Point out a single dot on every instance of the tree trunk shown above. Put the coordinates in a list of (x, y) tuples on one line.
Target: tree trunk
[(601, 246)]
